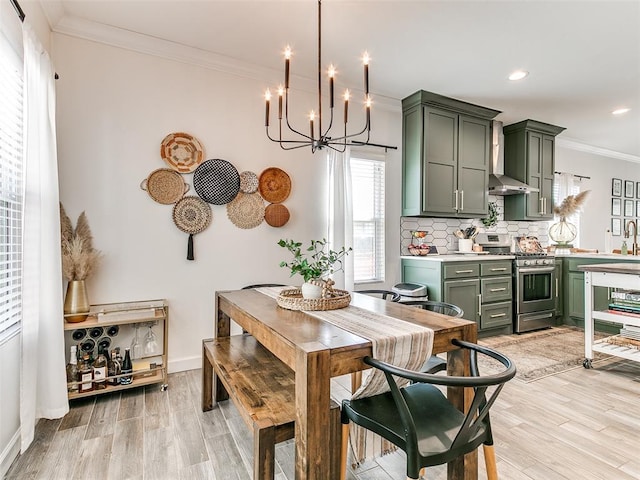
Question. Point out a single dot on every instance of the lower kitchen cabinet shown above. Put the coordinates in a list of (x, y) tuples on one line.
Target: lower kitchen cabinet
[(483, 289)]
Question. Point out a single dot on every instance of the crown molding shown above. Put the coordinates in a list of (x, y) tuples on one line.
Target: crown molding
[(604, 152), (129, 40)]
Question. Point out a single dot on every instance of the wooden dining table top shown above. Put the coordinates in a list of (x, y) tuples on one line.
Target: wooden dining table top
[(317, 350)]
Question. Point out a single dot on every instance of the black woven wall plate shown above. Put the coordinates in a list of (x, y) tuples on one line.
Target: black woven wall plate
[(216, 181)]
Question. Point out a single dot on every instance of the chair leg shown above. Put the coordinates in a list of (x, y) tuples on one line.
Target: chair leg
[(356, 381), (343, 451), (490, 462), (423, 472)]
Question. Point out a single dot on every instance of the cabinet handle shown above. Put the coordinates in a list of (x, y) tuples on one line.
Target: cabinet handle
[(498, 315), (480, 305), (464, 271), (455, 192), (498, 289), (498, 269), (461, 200), (544, 205), (557, 288), (541, 210)]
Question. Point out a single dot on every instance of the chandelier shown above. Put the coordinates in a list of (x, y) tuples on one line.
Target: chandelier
[(317, 138)]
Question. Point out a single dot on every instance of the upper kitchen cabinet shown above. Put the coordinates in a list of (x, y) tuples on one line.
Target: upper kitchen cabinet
[(529, 156), (445, 156)]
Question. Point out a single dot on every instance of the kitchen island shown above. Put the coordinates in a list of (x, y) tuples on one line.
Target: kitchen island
[(624, 276)]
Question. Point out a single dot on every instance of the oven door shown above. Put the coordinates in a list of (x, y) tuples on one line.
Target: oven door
[(535, 288)]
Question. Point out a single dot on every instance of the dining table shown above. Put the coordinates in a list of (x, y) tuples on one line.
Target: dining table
[(317, 351)]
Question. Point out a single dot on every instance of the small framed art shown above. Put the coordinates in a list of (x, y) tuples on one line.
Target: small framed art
[(616, 227), (616, 187), (628, 208), (637, 208), (637, 189), (616, 207), (629, 191)]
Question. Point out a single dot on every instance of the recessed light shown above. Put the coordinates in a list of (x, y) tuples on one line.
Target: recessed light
[(518, 75), (620, 111)]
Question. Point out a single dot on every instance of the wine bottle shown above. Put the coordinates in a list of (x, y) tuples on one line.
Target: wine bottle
[(127, 368), (85, 375), (100, 371), (72, 370), (112, 369)]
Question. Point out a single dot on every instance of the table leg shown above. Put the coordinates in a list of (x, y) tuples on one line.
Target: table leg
[(207, 379), (313, 375), (466, 467)]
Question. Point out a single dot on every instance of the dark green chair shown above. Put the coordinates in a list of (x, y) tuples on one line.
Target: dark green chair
[(436, 364), (420, 420)]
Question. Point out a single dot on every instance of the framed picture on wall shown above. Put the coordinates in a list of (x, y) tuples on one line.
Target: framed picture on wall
[(637, 208), (616, 207), (628, 208), (629, 189), (637, 189), (616, 187), (616, 227)]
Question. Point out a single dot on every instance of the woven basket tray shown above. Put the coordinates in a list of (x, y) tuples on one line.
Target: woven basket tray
[(291, 299)]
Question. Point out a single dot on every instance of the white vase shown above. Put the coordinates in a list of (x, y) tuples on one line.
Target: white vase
[(311, 290)]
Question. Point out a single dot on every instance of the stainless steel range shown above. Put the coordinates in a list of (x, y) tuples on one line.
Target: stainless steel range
[(533, 280)]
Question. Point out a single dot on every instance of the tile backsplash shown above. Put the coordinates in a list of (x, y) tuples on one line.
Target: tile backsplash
[(440, 230)]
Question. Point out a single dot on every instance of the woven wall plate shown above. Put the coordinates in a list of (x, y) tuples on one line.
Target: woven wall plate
[(276, 214), (165, 186), (216, 181), (182, 152), (246, 210), (248, 182), (274, 185), (191, 214)]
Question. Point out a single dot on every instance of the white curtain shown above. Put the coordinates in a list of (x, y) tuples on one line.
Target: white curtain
[(43, 391), (340, 225)]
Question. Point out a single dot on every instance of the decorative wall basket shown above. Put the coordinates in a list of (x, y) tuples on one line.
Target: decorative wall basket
[(76, 302)]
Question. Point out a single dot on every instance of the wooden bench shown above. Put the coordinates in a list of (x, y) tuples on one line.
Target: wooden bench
[(263, 390)]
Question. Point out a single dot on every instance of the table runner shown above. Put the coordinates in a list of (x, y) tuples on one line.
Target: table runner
[(394, 341)]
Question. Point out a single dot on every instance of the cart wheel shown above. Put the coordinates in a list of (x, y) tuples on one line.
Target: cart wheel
[(164, 387), (587, 363)]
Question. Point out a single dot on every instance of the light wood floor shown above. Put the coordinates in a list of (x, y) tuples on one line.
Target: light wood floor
[(578, 425)]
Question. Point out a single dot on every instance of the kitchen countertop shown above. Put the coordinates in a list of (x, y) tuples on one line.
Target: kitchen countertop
[(470, 257)]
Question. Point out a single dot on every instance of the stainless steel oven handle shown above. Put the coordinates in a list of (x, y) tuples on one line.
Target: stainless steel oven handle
[(540, 317), (536, 270)]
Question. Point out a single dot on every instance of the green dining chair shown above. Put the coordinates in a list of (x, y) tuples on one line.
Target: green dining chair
[(421, 421)]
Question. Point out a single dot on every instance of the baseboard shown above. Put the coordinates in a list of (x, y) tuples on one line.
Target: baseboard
[(9, 454), (183, 364)]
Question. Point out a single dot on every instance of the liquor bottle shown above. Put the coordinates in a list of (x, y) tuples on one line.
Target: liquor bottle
[(113, 369), (127, 368), (85, 374), (100, 371), (72, 370)]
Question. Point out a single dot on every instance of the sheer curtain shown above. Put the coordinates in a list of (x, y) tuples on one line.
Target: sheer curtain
[(43, 391), (340, 225)]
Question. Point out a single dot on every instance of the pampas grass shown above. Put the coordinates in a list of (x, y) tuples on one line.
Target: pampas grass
[(79, 258), (570, 205)]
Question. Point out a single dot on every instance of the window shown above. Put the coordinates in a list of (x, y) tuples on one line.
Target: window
[(11, 189), (367, 176)]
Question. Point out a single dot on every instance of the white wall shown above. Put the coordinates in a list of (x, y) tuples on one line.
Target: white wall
[(114, 108), (596, 212)]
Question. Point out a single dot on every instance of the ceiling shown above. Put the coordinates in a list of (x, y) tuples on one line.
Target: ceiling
[(583, 56)]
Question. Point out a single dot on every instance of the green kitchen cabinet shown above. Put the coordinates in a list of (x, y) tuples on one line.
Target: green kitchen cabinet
[(529, 156), (558, 288), (445, 157), (483, 289)]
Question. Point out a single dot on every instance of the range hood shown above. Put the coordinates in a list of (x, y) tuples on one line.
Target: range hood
[(499, 183)]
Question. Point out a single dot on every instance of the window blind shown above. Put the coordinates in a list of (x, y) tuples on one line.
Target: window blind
[(368, 184), (11, 190)]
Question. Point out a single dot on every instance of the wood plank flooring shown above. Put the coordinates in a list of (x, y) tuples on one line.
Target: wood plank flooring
[(577, 425)]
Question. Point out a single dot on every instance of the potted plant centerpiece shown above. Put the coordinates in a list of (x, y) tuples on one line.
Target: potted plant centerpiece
[(315, 264), (79, 260)]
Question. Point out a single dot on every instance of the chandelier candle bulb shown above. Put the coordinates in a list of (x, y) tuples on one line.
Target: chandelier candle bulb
[(346, 105), (267, 98), (332, 73), (280, 94), (287, 57), (365, 61), (312, 115)]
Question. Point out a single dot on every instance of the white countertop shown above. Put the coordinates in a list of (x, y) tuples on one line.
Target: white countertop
[(458, 257)]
